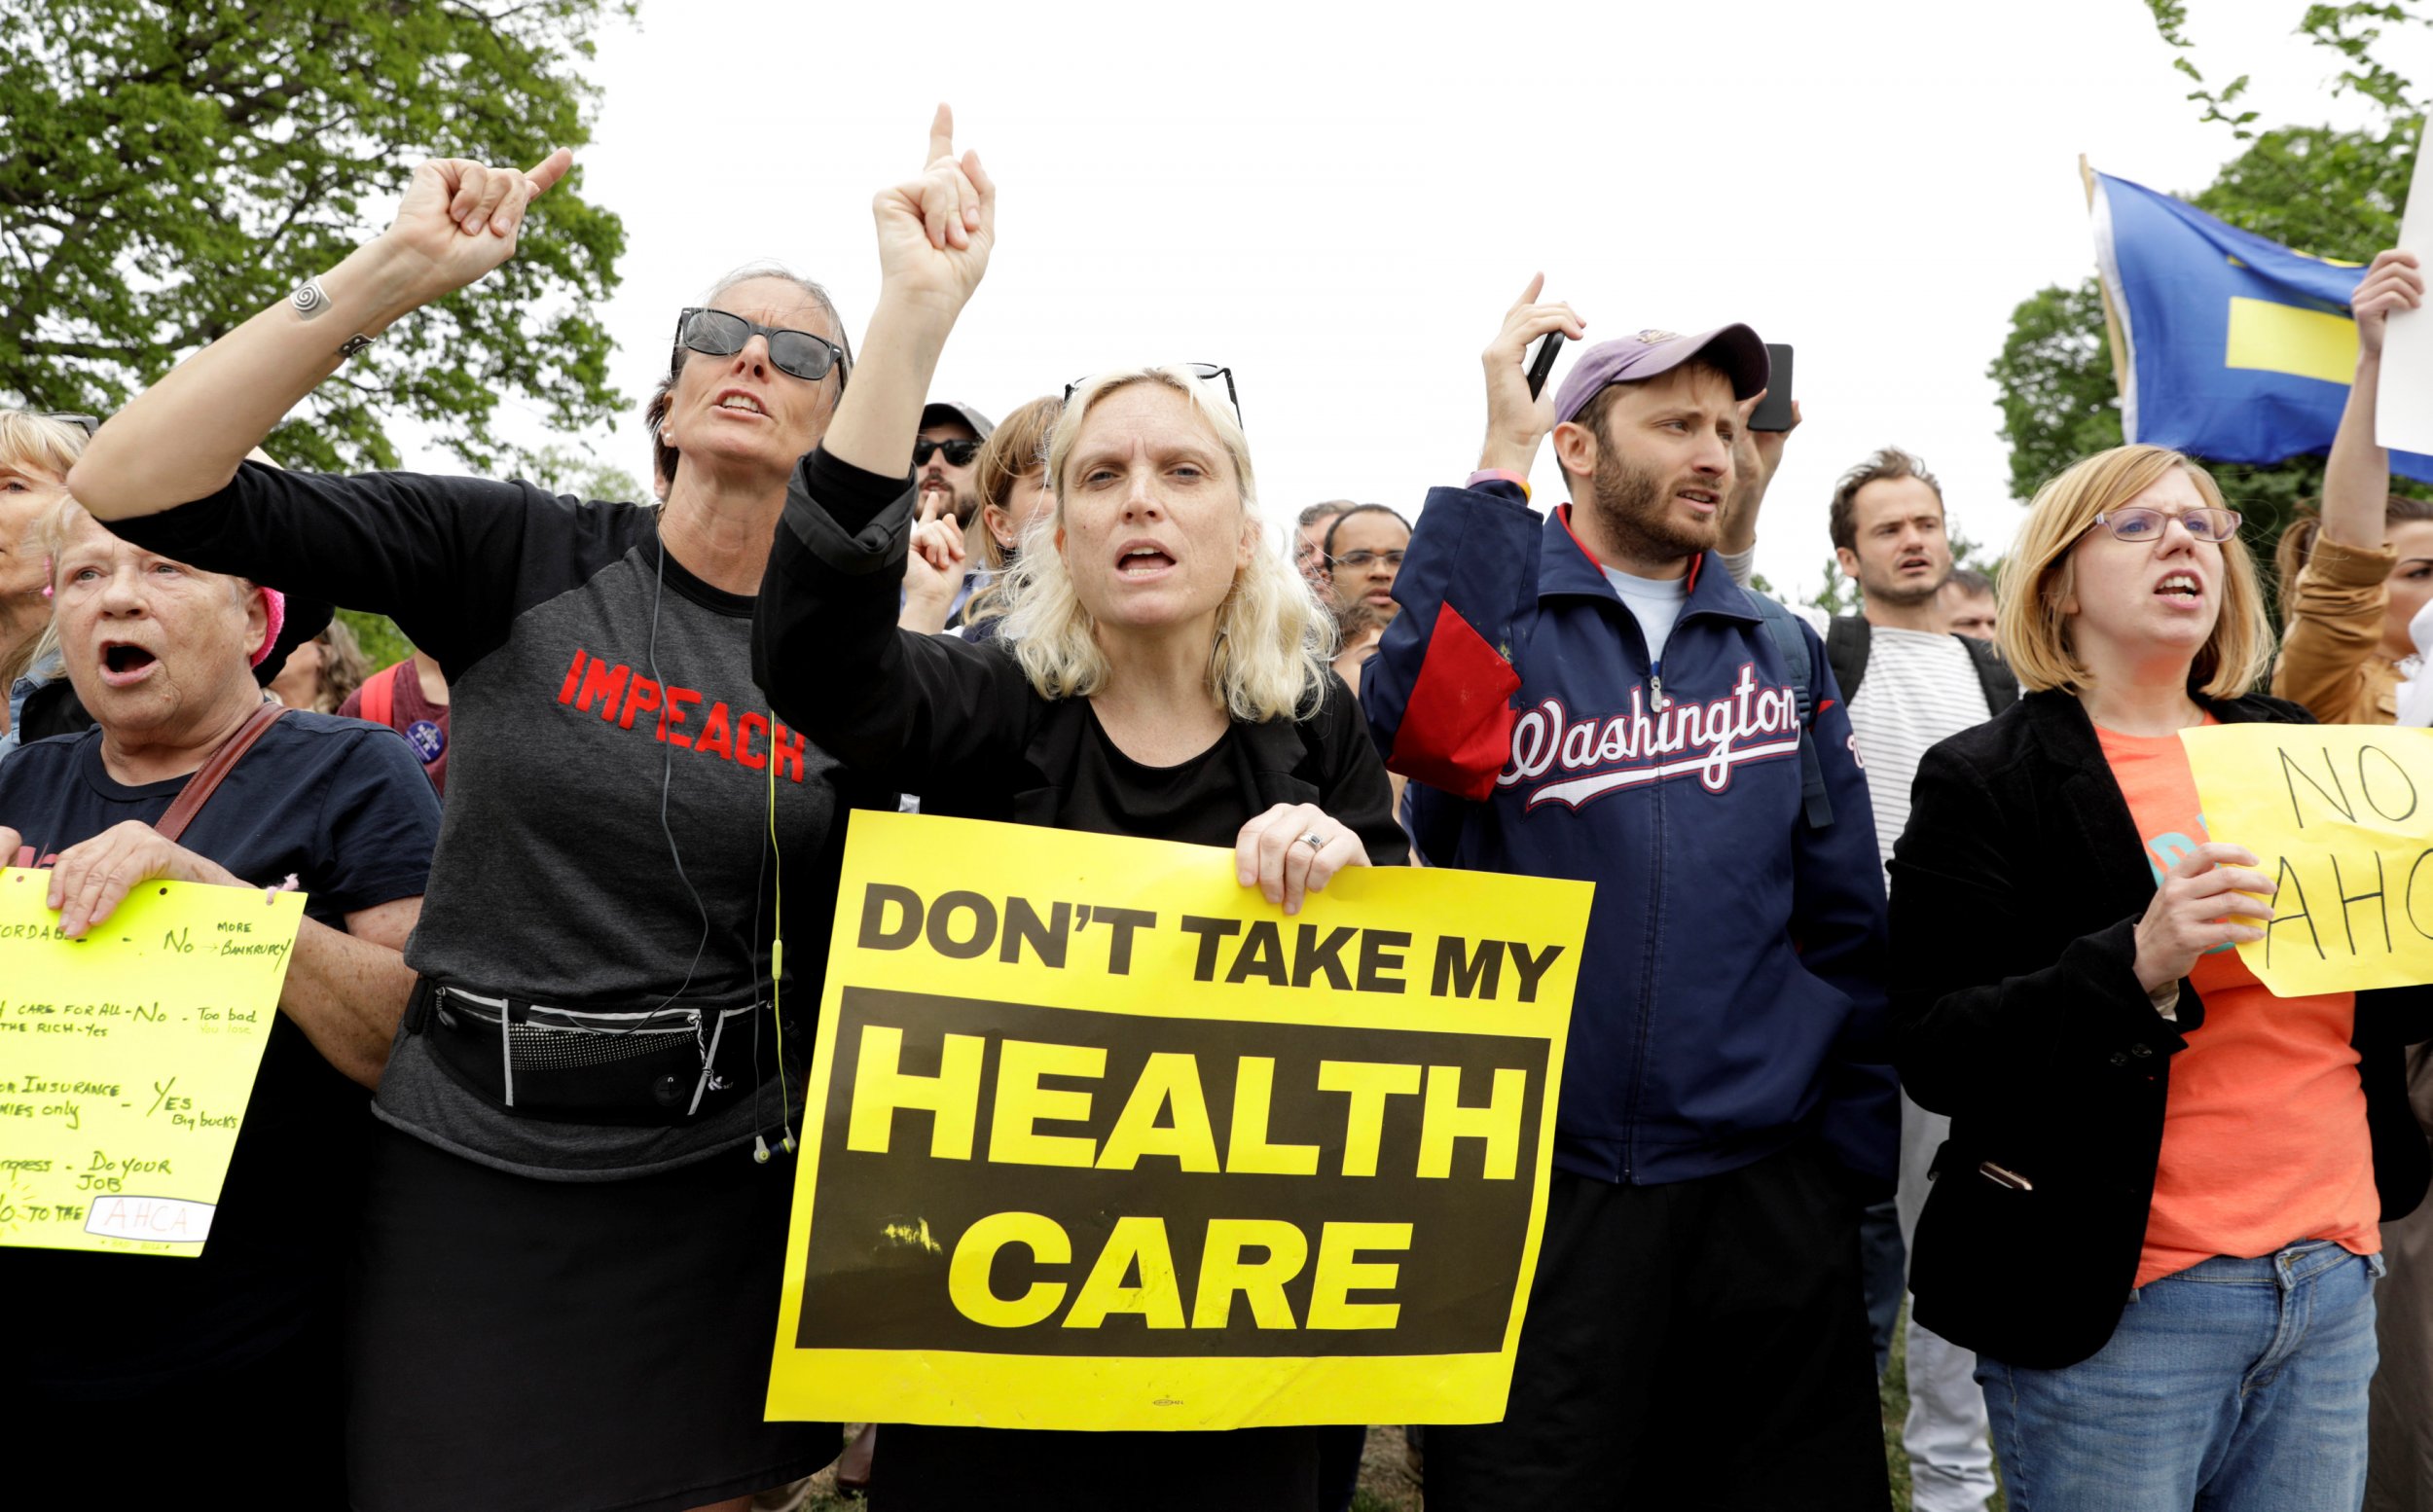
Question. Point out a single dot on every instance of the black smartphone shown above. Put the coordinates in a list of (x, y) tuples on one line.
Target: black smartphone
[(1773, 413), (1541, 361)]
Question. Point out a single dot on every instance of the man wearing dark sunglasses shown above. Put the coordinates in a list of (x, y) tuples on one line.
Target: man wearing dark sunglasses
[(950, 433)]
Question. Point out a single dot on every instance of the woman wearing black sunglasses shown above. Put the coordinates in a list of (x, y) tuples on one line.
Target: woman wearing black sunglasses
[(575, 1222)]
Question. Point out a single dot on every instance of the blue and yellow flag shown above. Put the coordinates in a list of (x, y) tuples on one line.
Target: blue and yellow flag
[(2233, 348)]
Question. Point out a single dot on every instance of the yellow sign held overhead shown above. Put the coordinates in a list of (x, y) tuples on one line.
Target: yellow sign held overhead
[(1097, 1139), (127, 1059), (2341, 818)]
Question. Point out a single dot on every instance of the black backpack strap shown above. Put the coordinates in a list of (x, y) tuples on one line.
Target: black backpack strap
[(1785, 627), (1993, 674), (1847, 642)]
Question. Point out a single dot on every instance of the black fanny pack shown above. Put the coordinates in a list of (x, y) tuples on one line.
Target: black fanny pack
[(668, 1066)]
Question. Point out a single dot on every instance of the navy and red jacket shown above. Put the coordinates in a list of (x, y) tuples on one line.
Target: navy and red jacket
[(1731, 995)]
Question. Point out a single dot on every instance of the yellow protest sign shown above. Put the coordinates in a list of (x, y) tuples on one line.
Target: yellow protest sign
[(127, 1059), (1097, 1139), (2341, 818)]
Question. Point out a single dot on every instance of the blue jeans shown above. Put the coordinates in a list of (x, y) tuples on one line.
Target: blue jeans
[(2236, 1385)]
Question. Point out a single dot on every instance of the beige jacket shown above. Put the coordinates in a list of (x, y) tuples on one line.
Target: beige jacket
[(2331, 657)]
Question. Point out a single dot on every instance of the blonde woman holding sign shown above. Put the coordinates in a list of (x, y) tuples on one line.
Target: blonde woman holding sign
[(2154, 1219), (1159, 674)]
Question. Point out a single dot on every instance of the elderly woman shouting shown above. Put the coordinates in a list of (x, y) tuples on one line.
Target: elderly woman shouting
[(1159, 676), (2154, 1220), (162, 656), (583, 1119)]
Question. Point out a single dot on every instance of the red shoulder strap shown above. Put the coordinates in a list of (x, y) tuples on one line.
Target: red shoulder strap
[(207, 781), (379, 694)]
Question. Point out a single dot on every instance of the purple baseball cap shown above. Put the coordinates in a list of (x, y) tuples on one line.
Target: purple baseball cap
[(1629, 359)]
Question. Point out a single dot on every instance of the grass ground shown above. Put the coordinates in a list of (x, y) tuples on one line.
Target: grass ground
[(1388, 1483)]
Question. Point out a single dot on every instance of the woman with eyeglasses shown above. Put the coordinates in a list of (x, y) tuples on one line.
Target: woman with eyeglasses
[(2154, 1219), (578, 1194), (1160, 673)]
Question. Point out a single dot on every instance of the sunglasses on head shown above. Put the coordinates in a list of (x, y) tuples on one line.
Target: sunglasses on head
[(959, 453), (84, 422), (1205, 372), (715, 332)]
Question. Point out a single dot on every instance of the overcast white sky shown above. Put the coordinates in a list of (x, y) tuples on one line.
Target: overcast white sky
[(1339, 201)]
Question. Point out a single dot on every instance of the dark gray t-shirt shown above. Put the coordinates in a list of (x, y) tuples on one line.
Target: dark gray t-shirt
[(591, 680)]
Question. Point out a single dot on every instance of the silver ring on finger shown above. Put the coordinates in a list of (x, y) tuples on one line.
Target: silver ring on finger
[(1313, 840)]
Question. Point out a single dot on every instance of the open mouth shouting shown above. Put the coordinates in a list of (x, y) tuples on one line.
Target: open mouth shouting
[(1140, 561), (738, 401), (2181, 589), (124, 664)]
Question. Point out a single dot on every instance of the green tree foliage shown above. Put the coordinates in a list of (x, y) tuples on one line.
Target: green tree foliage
[(558, 468), (2331, 192), (383, 643), (2058, 399), (172, 167)]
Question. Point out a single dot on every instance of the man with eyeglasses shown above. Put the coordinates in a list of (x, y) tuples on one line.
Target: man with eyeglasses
[(1364, 553)]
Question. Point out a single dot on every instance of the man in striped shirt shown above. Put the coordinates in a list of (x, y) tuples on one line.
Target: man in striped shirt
[(1910, 684)]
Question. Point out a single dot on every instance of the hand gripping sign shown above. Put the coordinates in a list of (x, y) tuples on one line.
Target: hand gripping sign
[(1097, 1139), (127, 1059), (2341, 818)]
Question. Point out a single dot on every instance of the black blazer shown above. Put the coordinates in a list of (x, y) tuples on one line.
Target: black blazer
[(2016, 892)]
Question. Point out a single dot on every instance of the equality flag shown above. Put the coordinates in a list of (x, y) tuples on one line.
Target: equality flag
[(2231, 346)]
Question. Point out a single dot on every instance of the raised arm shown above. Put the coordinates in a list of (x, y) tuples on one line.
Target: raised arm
[(181, 439), (2357, 475), (827, 646), (2336, 624), (1437, 693), (1757, 454), (935, 233)]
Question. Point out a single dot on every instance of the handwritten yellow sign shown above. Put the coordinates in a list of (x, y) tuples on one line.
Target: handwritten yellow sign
[(127, 1059), (1099, 1139), (2341, 818)]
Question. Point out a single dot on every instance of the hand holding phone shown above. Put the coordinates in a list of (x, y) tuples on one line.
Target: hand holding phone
[(1541, 362), (1773, 411)]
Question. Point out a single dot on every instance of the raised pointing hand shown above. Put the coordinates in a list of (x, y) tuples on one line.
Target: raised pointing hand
[(461, 217), (935, 231)]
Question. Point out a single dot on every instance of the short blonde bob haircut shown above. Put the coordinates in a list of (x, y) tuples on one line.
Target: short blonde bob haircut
[(35, 443), (2040, 577), (1269, 657), (38, 442)]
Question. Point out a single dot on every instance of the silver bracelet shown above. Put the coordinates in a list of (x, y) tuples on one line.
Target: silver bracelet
[(310, 299)]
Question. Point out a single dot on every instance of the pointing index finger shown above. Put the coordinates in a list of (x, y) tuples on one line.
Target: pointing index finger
[(549, 171), (941, 133)]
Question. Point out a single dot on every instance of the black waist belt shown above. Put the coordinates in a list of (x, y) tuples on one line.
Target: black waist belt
[(662, 1065)]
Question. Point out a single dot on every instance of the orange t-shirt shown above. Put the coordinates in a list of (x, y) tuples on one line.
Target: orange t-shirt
[(2264, 1135)]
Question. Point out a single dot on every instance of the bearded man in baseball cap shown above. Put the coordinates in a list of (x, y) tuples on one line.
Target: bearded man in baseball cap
[(1588, 694)]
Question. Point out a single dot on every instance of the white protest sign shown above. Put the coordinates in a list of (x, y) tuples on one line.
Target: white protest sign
[(2403, 413)]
